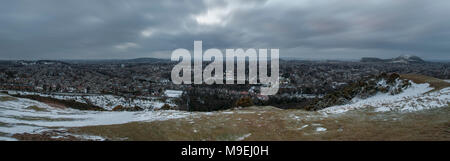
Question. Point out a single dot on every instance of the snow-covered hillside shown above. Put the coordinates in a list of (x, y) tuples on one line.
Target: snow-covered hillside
[(20, 115), (416, 97), (107, 102)]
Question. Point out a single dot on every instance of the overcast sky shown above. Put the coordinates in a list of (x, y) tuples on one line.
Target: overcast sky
[(306, 29)]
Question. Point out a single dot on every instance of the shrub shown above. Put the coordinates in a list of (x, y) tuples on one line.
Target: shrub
[(244, 102), (118, 108), (166, 107), (121, 108)]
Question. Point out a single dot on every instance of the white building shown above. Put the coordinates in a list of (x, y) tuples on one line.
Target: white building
[(173, 93)]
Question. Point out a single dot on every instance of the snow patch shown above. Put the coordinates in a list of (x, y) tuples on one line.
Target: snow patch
[(243, 137), (321, 129), (105, 101), (7, 139), (173, 93), (304, 126), (413, 98), (17, 118), (18, 129)]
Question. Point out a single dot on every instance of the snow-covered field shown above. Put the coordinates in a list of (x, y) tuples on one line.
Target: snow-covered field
[(21, 115), (107, 102), (417, 97), (28, 116)]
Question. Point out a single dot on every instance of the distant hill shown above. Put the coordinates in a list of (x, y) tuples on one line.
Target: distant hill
[(38, 62), (370, 59), (85, 61), (146, 60), (401, 59), (408, 59), (119, 61)]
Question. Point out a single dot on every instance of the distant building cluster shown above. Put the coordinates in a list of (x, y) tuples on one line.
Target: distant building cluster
[(298, 79)]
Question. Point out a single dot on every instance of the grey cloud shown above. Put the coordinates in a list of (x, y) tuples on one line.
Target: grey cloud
[(87, 29)]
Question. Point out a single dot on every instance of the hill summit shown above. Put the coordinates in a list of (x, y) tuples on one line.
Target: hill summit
[(401, 59)]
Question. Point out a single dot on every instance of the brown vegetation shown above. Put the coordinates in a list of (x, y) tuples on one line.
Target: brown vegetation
[(244, 102), (269, 123), (65, 103), (437, 84), (7, 98), (122, 108)]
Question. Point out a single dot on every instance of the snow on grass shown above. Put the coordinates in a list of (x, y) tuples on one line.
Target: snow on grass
[(321, 129), (107, 102), (173, 93), (7, 139), (243, 137), (16, 117), (413, 98), (90, 118), (83, 137), (426, 101), (18, 129), (304, 126)]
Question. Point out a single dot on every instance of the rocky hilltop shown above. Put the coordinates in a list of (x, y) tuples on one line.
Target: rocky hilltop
[(401, 59), (384, 83)]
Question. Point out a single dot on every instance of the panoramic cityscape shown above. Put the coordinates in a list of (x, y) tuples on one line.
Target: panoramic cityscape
[(342, 71)]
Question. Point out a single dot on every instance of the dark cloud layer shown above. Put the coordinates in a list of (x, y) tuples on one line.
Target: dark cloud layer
[(309, 29)]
